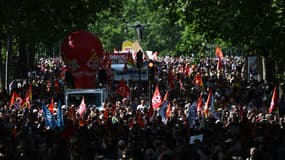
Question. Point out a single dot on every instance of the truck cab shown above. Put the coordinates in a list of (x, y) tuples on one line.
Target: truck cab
[(92, 97)]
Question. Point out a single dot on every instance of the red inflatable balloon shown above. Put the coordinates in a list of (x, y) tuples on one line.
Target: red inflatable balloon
[(82, 51)]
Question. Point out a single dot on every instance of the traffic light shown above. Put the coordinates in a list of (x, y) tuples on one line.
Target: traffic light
[(151, 70), (139, 59)]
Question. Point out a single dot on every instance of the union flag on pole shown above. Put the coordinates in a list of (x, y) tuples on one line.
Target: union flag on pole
[(274, 99), (51, 106), (15, 100), (219, 52), (156, 100), (82, 107), (198, 80), (207, 104), (199, 104), (28, 97)]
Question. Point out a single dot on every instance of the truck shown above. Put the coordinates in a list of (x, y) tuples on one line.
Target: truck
[(92, 97)]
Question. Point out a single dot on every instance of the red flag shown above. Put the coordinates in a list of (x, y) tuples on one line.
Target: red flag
[(274, 99), (219, 52), (51, 106), (199, 104), (28, 97), (207, 104), (165, 96), (122, 89), (156, 99), (198, 80), (150, 114), (168, 111), (82, 107), (15, 100), (187, 70)]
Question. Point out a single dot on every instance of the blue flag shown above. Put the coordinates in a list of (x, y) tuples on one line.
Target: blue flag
[(49, 118), (59, 119), (192, 115), (162, 111)]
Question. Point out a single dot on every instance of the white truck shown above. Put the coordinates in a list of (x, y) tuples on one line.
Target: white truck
[(92, 97)]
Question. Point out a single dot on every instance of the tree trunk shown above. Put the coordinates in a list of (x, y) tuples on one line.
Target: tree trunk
[(8, 61), (1, 68), (23, 59)]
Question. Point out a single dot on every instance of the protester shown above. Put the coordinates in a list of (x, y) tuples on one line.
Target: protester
[(228, 114)]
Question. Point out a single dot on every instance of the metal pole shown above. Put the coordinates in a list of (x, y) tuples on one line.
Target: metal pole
[(149, 90), (140, 82), (8, 57)]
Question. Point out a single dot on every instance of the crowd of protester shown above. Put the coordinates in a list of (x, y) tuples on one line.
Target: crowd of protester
[(240, 128)]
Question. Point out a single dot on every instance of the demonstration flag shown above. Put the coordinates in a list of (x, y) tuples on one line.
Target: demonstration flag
[(207, 104), (198, 80), (192, 115), (163, 109), (150, 114), (213, 109), (156, 99), (219, 52), (199, 104), (59, 121), (15, 100), (28, 97), (49, 118), (122, 89), (187, 70), (51, 106), (82, 107), (274, 99), (220, 56)]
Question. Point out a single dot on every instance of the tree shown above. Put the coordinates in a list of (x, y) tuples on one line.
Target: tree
[(34, 22), (159, 32), (257, 26)]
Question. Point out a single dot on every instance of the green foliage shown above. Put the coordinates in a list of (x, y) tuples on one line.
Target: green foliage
[(159, 32), (256, 26)]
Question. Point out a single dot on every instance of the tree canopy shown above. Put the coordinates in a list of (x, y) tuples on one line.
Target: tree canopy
[(180, 27)]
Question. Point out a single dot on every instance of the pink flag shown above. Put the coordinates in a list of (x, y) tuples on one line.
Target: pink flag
[(82, 107)]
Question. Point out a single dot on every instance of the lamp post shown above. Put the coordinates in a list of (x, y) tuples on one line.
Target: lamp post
[(151, 74)]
